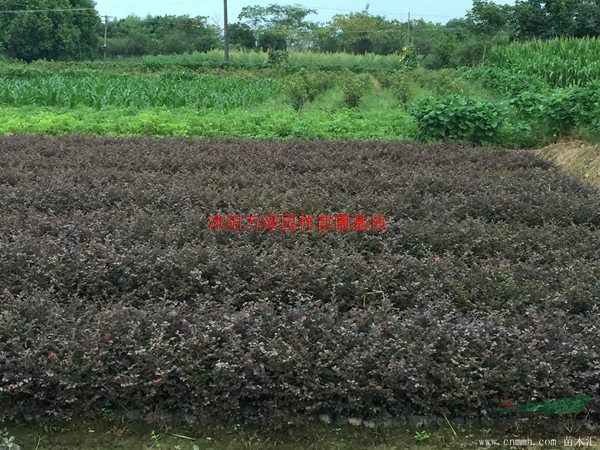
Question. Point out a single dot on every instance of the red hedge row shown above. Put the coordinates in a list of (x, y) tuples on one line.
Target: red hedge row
[(116, 294)]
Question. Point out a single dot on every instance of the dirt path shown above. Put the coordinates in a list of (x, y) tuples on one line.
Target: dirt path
[(577, 157)]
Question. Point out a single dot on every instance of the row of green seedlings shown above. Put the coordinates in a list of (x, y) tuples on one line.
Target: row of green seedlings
[(304, 86), (405, 83)]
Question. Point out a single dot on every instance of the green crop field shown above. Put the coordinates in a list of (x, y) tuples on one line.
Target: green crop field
[(559, 62), (528, 95), (99, 90)]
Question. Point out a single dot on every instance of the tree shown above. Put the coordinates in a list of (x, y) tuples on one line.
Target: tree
[(49, 34), (272, 40), (135, 36), (241, 35), (364, 33), (553, 18), (129, 37), (284, 20), (325, 39), (487, 18), (426, 37), (488, 22), (588, 14)]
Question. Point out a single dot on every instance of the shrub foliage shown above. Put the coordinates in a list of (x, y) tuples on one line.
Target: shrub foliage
[(114, 291), (458, 118)]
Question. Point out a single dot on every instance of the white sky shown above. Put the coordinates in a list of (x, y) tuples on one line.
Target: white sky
[(429, 10)]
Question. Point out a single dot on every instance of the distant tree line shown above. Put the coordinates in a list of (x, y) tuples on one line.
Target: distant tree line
[(153, 35), (79, 34)]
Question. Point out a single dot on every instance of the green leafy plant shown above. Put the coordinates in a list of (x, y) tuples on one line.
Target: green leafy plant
[(106, 410), (441, 82), (560, 111), (154, 439), (304, 87), (421, 436), (277, 56), (410, 56), (100, 90), (260, 124), (7, 440), (503, 81), (458, 118), (401, 84), (560, 62), (355, 86)]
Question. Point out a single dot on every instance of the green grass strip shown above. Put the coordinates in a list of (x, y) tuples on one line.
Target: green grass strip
[(162, 122)]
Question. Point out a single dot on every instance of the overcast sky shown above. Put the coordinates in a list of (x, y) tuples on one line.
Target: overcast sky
[(430, 10)]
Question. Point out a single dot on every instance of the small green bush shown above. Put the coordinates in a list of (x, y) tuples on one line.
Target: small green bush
[(561, 111), (564, 110), (277, 56), (458, 118), (304, 86), (503, 81), (355, 86), (402, 86), (441, 82)]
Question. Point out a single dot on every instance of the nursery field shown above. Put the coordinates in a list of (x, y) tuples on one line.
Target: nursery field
[(347, 238), (475, 278)]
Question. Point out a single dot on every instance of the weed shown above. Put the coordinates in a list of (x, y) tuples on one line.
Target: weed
[(421, 436)]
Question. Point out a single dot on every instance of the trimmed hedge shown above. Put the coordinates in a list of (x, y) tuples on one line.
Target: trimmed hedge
[(114, 293)]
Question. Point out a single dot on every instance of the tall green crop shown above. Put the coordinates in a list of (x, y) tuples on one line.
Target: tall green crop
[(560, 62), (97, 90)]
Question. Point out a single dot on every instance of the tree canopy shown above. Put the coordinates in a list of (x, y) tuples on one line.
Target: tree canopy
[(274, 23), (554, 18), (134, 36), (54, 29), (70, 29)]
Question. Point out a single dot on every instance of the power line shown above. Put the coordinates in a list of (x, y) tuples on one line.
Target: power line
[(20, 11), (170, 3), (381, 12), (144, 21)]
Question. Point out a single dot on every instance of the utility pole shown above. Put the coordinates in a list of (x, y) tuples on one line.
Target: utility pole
[(225, 31), (105, 33), (409, 31)]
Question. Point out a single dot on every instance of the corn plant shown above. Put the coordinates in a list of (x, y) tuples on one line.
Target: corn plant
[(99, 90), (561, 62)]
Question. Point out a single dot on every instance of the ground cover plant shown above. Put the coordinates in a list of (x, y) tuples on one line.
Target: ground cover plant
[(116, 295), (261, 123)]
